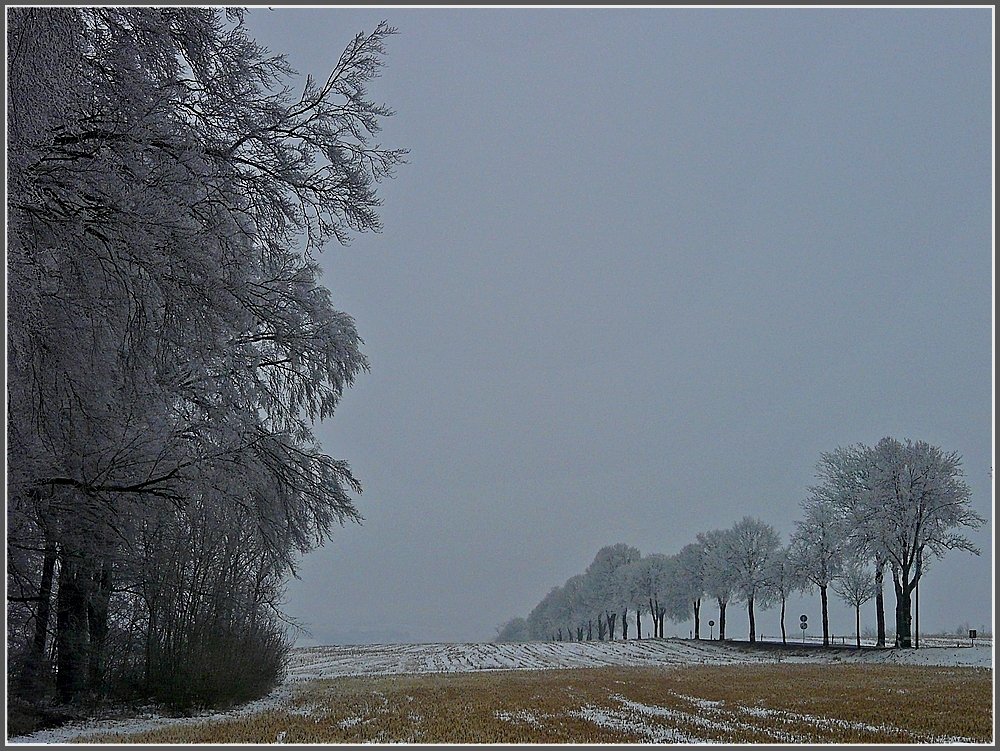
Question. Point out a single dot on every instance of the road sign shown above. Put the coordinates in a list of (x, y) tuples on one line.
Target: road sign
[(803, 625), (711, 623), (803, 618)]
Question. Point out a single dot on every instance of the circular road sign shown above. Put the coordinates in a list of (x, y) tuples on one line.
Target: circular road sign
[(711, 623), (803, 619), (803, 625)]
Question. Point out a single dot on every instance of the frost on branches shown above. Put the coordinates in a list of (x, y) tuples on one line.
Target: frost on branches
[(169, 343)]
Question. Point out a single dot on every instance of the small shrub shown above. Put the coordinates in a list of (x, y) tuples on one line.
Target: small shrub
[(218, 669)]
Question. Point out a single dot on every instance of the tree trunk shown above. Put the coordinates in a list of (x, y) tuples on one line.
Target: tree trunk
[(857, 624), (662, 617), (784, 639), (71, 630), (32, 679), (638, 623), (903, 619), (826, 616), (579, 633), (697, 618), (625, 624), (879, 602), (590, 629), (612, 619), (97, 620), (753, 630), (722, 620)]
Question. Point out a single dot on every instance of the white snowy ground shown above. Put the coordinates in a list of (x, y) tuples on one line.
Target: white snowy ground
[(389, 659)]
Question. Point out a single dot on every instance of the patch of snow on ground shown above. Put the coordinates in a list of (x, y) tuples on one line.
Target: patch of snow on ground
[(522, 716)]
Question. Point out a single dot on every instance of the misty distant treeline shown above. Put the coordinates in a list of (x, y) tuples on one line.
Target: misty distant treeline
[(894, 506), (170, 344)]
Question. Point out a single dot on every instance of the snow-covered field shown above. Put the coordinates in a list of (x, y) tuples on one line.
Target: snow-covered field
[(386, 659), (391, 659)]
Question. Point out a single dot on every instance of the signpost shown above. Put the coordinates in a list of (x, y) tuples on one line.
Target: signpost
[(803, 624), (972, 635), (711, 625)]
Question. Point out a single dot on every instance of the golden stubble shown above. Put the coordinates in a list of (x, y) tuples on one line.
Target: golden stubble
[(734, 703)]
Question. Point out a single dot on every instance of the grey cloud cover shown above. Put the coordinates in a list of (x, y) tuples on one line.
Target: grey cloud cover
[(643, 266)]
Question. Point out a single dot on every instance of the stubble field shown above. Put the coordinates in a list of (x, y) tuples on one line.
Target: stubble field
[(762, 703), (636, 691)]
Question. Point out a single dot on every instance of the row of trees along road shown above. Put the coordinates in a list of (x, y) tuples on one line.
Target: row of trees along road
[(895, 505), (170, 344)]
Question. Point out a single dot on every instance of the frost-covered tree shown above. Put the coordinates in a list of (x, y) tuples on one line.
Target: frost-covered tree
[(691, 580), (752, 547), (628, 596), (653, 574), (855, 586), (783, 577), (602, 583), (632, 595), (817, 550), (169, 347), (544, 618), (846, 482), (574, 606), (906, 502), (719, 576)]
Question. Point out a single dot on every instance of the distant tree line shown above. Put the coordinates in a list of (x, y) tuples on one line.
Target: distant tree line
[(170, 344), (895, 505)]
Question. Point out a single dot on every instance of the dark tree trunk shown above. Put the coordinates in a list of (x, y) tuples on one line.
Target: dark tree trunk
[(652, 614), (722, 620), (879, 602), (97, 620), (32, 678), (71, 630), (784, 638), (625, 625), (697, 618), (826, 616), (44, 602), (753, 629), (612, 619), (661, 617), (903, 617), (560, 635), (579, 633), (638, 623), (590, 630), (857, 624)]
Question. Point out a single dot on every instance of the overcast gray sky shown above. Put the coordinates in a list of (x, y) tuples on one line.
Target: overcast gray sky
[(643, 266)]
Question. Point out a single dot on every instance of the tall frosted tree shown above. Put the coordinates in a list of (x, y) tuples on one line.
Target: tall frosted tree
[(846, 482), (603, 582), (719, 577), (920, 504), (752, 547), (905, 502), (691, 580), (170, 344), (783, 577), (817, 550)]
